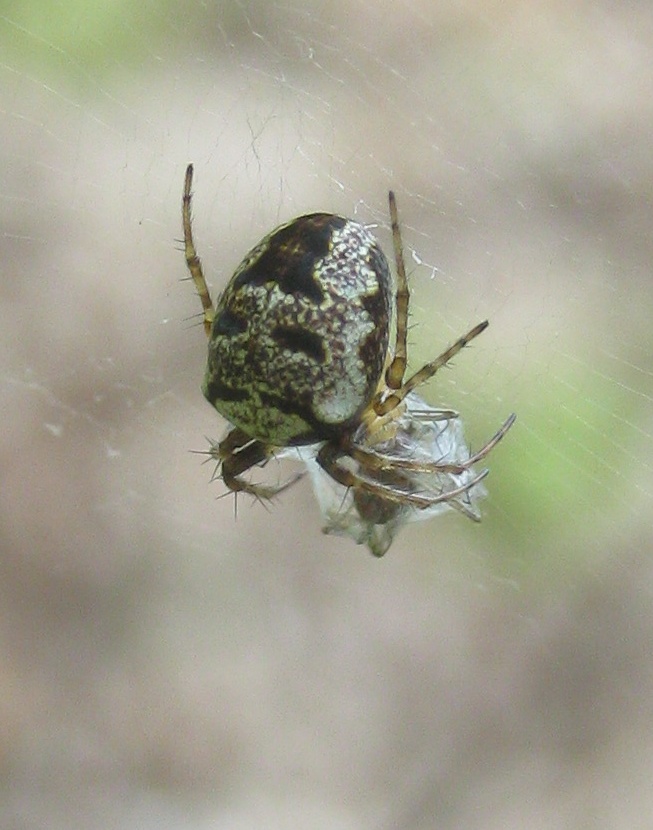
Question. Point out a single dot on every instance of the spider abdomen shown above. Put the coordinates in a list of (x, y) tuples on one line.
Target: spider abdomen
[(300, 334)]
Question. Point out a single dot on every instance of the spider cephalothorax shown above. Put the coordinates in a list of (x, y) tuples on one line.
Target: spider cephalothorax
[(298, 355)]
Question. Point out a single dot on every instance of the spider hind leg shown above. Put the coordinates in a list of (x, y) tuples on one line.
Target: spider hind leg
[(238, 453)]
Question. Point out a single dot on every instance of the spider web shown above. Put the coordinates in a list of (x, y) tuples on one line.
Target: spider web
[(167, 664)]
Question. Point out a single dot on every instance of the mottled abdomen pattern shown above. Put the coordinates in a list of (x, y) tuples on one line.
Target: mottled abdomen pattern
[(300, 333)]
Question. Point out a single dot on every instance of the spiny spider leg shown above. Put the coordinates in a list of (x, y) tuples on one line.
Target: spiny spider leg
[(328, 457), (238, 453), (427, 371), (192, 260), (394, 374)]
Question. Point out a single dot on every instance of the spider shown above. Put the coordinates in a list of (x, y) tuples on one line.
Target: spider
[(299, 357)]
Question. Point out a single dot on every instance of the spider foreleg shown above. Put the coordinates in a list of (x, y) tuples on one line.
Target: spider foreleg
[(389, 402), (371, 459), (394, 374), (328, 458)]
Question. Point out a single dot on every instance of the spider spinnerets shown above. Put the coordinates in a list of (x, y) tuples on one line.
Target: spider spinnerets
[(299, 356)]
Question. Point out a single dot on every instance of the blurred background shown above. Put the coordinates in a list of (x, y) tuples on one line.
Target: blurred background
[(165, 664)]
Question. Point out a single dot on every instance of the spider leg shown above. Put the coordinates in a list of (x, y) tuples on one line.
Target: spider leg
[(238, 453), (192, 260), (498, 435), (374, 460), (328, 457), (394, 374), (463, 508), (427, 371), (379, 461)]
